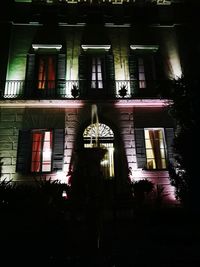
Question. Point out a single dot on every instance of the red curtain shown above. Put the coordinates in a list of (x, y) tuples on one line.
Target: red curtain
[(51, 72), (41, 74), (36, 152), (46, 72)]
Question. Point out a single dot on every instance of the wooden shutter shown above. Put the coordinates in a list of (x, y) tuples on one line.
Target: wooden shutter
[(83, 74), (58, 149), (149, 71), (133, 69), (61, 74), (160, 74), (30, 75), (140, 147), (169, 136), (110, 74), (24, 151)]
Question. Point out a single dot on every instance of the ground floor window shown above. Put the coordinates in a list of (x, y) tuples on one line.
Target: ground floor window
[(41, 156), (155, 148), (98, 134)]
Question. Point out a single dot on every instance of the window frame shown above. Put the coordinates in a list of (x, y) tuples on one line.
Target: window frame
[(42, 131), (46, 81), (91, 58), (105, 140), (165, 158)]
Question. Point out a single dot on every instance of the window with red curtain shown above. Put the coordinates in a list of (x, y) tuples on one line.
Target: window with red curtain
[(46, 71), (41, 158)]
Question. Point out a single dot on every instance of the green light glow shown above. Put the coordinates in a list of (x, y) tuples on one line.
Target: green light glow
[(19, 47), (23, 1)]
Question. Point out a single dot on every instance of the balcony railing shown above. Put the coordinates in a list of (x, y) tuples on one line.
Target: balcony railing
[(80, 89), (159, 2)]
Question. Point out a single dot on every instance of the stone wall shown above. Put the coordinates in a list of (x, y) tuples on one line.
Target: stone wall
[(10, 122)]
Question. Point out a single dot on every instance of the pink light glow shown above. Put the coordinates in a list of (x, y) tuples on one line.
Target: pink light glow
[(52, 104), (143, 103), (158, 178)]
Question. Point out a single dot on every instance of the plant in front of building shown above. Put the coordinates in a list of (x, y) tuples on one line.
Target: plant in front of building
[(74, 91), (6, 193), (159, 195), (184, 108), (123, 91), (141, 189)]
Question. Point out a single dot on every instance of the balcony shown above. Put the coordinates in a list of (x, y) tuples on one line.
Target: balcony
[(79, 89)]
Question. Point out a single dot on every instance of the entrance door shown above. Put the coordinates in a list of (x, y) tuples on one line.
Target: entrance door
[(99, 134)]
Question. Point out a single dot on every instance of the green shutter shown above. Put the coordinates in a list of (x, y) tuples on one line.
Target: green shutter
[(110, 75), (58, 149), (169, 136), (61, 74), (24, 152), (30, 75), (140, 147), (133, 69), (83, 74)]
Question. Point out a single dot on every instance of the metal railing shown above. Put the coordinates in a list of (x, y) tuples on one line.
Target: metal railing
[(158, 2), (81, 89)]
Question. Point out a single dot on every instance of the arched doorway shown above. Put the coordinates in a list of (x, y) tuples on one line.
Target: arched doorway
[(99, 134)]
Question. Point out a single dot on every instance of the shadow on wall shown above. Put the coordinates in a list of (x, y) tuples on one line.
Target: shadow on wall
[(110, 117)]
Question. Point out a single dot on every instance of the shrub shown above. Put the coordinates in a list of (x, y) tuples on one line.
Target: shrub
[(142, 188)]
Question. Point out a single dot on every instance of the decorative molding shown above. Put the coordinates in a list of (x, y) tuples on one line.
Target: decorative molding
[(46, 46), (96, 47), (153, 48)]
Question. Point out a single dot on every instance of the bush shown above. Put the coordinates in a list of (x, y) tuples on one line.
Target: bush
[(142, 188)]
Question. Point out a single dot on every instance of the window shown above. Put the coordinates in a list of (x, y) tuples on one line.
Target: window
[(96, 79), (46, 74), (96, 74), (155, 149), (40, 150), (145, 67), (41, 157), (100, 134), (141, 73)]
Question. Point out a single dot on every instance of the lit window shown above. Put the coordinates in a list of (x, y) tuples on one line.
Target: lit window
[(105, 138), (97, 81), (155, 149), (141, 73), (46, 72), (41, 158)]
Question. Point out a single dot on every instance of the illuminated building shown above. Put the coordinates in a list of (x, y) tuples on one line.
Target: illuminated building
[(96, 48)]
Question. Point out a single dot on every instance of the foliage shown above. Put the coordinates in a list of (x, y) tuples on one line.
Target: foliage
[(74, 91), (6, 191), (184, 108), (41, 195), (142, 188), (49, 193), (159, 194), (123, 91)]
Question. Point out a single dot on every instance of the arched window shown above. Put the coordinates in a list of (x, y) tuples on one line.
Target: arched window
[(98, 134)]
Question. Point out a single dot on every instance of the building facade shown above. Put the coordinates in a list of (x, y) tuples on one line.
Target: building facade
[(80, 74)]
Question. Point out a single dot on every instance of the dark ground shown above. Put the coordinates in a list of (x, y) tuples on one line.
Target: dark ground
[(169, 237)]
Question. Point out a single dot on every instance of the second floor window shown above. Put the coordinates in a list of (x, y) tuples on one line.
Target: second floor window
[(46, 74), (96, 74), (141, 73), (97, 78)]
